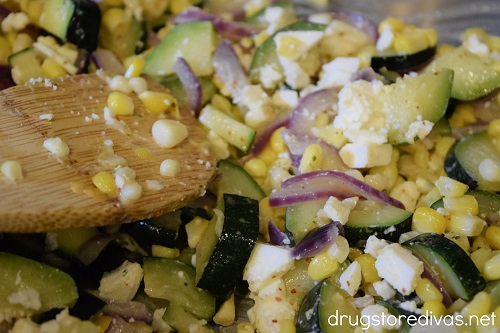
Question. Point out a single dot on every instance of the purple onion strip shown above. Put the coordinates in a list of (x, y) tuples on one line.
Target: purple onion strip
[(90, 250), (276, 236), (128, 310), (190, 83), (106, 60), (323, 184), (316, 241), (428, 274), (229, 69), (118, 325)]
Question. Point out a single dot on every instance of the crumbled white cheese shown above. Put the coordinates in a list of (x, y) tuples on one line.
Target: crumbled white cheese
[(122, 283), (154, 185), (269, 77), (350, 279), (337, 210), (366, 155), (474, 45), (63, 323), (286, 99), (373, 316), (28, 298), (15, 22), (384, 289), (385, 39), (418, 129), (295, 76), (12, 170), (46, 116), (374, 245), (219, 146), (57, 147), (258, 106), (399, 267), (338, 72)]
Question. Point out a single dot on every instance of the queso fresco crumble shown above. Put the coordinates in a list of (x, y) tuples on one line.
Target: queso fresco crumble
[(358, 171)]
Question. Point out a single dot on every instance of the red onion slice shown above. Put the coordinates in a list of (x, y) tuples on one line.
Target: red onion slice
[(429, 274), (228, 29), (91, 249), (323, 184), (316, 241), (263, 138), (128, 310), (107, 61), (229, 69), (191, 84), (118, 325), (276, 236)]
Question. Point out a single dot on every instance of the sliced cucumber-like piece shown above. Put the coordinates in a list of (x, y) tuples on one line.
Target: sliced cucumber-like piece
[(184, 321), (474, 77), (454, 268), (233, 179), (77, 21), (175, 281), (488, 202), (25, 65), (174, 85), (402, 62), (416, 98), (193, 41), (300, 219), (386, 222), (463, 161), (29, 287), (236, 133), (219, 270)]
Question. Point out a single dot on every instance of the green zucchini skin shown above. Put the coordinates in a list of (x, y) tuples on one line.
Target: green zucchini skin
[(240, 230), (457, 272), (305, 321), (234, 179), (454, 169), (403, 63), (488, 202)]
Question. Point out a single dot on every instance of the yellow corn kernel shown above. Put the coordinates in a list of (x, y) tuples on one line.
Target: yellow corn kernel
[(480, 33), (368, 271), (443, 145), (460, 240), (260, 38), (389, 172), (113, 3), (134, 65), (221, 103), (244, 328), (480, 242), (478, 306), (266, 214), (312, 158), (333, 136), (493, 42), (289, 45), (52, 68), (494, 128), (321, 267), (450, 187), (492, 235), (178, 6), (421, 157), (4, 49), (463, 115), (465, 203), (156, 101), (428, 199), (143, 153), (365, 57), (410, 41), (12, 170), (424, 185), (195, 229), (102, 322), (465, 224), (121, 104), (434, 308), (226, 314), (480, 257), (391, 23), (256, 167), (105, 182), (427, 291), (432, 36), (164, 252), (268, 155), (340, 250), (442, 49), (426, 219), (276, 141), (354, 253), (287, 326), (491, 268)]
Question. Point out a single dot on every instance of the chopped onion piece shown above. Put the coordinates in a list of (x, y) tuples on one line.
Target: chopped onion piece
[(276, 236), (91, 249), (429, 274), (229, 69), (323, 184), (128, 310), (107, 61), (190, 83), (316, 241)]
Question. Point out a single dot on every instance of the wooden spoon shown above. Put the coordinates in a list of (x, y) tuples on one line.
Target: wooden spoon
[(59, 193)]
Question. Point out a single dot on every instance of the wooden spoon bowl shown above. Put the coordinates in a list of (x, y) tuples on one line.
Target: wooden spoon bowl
[(57, 193)]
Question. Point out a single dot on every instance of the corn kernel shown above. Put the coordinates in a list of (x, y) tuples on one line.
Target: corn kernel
[(195, 229), (391, 23), (354, 253), (143, 153), (156, 102), (480, 257), (368, 271), (226, 313), (410, 42), (121, 104), (493, 43), (494, 128), (268, 155), (52, 68), (460, 240), (491, 268), (432, 36), (138, 84), (333, 136), (170, 168), (312, 158), (164, 252), (427, 291), (102, 322), (276, 141), (221, 103), (428, 199), (287, 326), (105, 182), (426, 219), (168, 133), (478, 306), (465, 224), (256, 167), (12, 170), (178, 6), (465, 203), (321, 267), (134, 65), (443, 145), (463, 115), (450, 187), (480, 242), (492, 235), (4, 49), (434, 308), (339, 251), (244, 328)]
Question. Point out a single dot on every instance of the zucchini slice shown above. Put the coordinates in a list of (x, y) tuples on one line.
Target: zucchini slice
[(222, 253), (174, 85), (386, 222), (25, 65), (301, 218), (462, 163), (236, 180), (402, 62), (29, 287), (175, 281), (456, 271), (488, 202)]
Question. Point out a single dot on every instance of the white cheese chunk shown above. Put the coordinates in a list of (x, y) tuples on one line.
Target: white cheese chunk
[(399, 267), (384, 289), (122, 283), (338, 72), (366, 155), (374, 245), (294, 44), (350, 279), (337, 210), (373, 317), (57, 147)]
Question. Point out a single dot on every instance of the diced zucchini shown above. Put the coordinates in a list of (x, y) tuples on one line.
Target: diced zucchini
[(29, 287), (25, 65), (462, 163), (230, 129), (219, 270), (193, 41), (454, 268), (416, 98), (184, 321), (386, 222), (488, 202), (258, 19), (236, 180), (174, 85), (402, 62), (301, 218), (474, 77), (78, 22), (175, 281)]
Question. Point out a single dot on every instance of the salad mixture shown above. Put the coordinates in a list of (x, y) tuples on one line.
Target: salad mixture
[(356, 185)]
